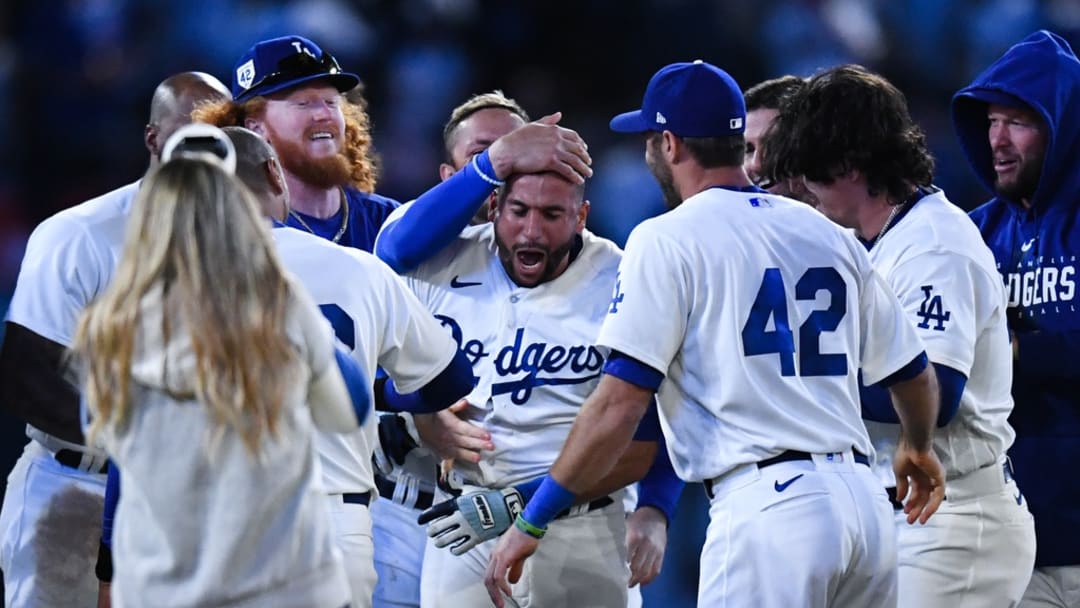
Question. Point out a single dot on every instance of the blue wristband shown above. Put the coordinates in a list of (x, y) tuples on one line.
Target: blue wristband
[(528, 488), (550, 499)]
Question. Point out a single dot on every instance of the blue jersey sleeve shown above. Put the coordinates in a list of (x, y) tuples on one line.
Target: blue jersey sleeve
[(453, 383), (877, 404), (104, 567), (661, 487), (436, 217)]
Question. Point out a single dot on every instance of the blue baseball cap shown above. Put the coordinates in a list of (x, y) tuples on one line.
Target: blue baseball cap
[(689, 99), (279, 63)]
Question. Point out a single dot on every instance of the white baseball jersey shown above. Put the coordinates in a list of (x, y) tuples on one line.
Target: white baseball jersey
[(759, 311), (531, 348), (374, 314), (70, 259), (937, 264)]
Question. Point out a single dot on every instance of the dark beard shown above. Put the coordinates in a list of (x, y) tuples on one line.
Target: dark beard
[(1027, 181), (662, 172), (554, 257), (326, 172)]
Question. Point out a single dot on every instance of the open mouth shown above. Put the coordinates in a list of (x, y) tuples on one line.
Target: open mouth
[(1004, 165), (530, 259)]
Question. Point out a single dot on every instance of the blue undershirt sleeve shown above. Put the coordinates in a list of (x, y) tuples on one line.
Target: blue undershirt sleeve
[(453, 383), (661, 487), (629, 369), (435, 218), (877, 404)]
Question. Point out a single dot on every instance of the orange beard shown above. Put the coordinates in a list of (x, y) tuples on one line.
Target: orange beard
[(325, 172)]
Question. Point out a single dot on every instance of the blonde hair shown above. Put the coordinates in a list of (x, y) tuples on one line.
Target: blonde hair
[(363, 171), (483, 101), (195, 234)]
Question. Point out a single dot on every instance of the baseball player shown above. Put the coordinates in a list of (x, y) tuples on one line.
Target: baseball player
[(849, 133), (766, 415), (226, 366), (356, 312), (523, 295), (289, 90), (409, 482), (472, 128), (762, 107), (51, 517), (1016, 124), (384, 324)]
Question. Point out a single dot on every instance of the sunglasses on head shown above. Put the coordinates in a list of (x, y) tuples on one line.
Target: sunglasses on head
[(298, 65)]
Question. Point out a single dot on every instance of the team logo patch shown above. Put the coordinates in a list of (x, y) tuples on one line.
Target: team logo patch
[(932, 310), (245, 74), (617, 295), (483, 509)]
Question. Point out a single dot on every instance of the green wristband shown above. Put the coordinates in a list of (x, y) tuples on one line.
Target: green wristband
[(528, 528)]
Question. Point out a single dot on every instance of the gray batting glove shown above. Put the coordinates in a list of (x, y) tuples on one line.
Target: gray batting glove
[(468, 520)]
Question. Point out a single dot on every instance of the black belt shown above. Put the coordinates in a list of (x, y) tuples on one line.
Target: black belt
[(357, 499), (791, 456), (386, 487), (599, 503), (72, 459), (896, 504)]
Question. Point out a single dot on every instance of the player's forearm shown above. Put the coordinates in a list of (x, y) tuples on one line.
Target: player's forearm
[(601, 434), (435, 218), (917, 401)]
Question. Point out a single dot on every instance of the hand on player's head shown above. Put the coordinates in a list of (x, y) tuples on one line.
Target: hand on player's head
[(542, 146)]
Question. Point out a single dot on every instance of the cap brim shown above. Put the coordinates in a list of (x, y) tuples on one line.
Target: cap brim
[(629, 122), (342, 81)]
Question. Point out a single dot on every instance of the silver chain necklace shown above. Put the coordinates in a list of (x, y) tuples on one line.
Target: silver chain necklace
[(344, 219), (888, 223)]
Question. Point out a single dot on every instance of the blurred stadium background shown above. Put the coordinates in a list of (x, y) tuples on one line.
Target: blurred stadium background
[(76, 78)]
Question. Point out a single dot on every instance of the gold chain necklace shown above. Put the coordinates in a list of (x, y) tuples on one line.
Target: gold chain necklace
[(344, 219)]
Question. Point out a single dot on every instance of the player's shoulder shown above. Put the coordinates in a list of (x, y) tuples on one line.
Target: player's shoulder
[(292, 241), (371, 199), (602, 254), (85, 220), (935, 226)]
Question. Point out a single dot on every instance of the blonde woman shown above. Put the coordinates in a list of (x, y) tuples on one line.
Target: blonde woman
[(205, 368)]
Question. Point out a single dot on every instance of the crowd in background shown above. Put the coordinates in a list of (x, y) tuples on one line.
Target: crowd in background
[(76, 79)]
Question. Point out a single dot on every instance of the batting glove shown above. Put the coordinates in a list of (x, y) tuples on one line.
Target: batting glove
[(471, 519)]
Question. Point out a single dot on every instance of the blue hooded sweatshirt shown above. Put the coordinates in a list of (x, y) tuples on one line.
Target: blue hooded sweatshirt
[(1036, 250)]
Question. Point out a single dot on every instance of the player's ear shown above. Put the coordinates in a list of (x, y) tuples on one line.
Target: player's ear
[(150, 139), (670, 147), (445, 171), (582, 215), (276, 176)]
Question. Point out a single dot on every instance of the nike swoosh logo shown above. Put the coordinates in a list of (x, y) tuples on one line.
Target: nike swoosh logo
[(1027, 245), (456, 284), (780, 487)]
